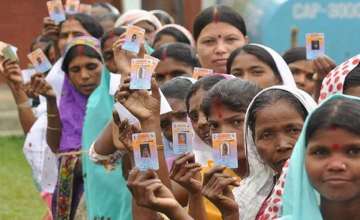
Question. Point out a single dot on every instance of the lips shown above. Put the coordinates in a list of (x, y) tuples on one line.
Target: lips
[(336, 180), (220, 62), (281, 163)]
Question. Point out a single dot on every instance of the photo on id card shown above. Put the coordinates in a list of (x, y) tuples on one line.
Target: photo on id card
[(225, 149), (154, 59), (72, 6), (39, 61), (56, 11), (199, 73), (182, 137), (141, 71), (134, 37), (145, 151), (315, 45)]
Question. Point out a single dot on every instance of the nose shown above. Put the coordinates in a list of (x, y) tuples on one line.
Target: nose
[(300, 79), (220, 47), (84, 74), (283, 144), (336, 165), (202, 122)]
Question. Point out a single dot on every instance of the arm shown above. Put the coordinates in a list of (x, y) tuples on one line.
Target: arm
[(12, 75), (322, 65)]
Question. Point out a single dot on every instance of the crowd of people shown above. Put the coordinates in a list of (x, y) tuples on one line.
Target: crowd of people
[(296, 122)]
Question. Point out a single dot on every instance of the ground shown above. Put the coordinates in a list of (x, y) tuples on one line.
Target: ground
[(19, 199)]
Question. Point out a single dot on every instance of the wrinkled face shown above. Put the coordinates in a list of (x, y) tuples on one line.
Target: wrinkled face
[(303, 72), (277, 128), (108, 54), (215, 44), (164, 39), (178, 114), (353, 90), (333, 164), (149, 30), (224, 120), (85, 74), (197, 116), (70, 29), (249, 67), (170, 68)]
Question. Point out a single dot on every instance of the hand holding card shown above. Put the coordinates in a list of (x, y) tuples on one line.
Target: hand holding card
[(56, 11), (315, 45), (72, 6), (145, 151), (141, 72), (182, 137), (39, 60), (198, 72), (134, 38), (225, 149)]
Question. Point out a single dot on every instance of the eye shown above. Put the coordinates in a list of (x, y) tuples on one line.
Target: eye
[(238, 74), (294, 131), (209, 41), (266, 135), (213, 125), (74, 69), (353, 151), (257, 72), (237, 122), (231, 39), (310, 76), (320, 151), (91, 66), (159, 77)]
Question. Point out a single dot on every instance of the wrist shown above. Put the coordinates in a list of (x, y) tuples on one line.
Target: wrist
[(177, 212)]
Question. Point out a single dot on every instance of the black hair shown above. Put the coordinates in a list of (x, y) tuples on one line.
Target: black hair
[(294, 54), (178, 51), (74, 52), (48, 40), (176, 88), (109, 7), (115, 32), (219, 13), (163, 16), (270, 97), (112, 17), (178, 35), (205, 83), (342, 112), (352, 79), (236, 94), (88, 23), (259, 52)]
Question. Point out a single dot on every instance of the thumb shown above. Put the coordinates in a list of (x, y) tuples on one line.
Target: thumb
[(155, 90)]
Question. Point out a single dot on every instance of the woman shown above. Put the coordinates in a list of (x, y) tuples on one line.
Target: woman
[(301, 68), (143, 19), (345, 78), (172, 33), (217, 31), (176, 59), (82, 64), (260, 65), (163, 17), (323, 176)]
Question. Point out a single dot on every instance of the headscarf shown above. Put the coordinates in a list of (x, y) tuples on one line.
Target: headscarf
[(182, 29), (256, 187), (300, 199), (134, 16), (335, 80), (72, 103)]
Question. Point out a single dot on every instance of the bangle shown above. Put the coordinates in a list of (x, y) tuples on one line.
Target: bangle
[(53, 129), (160, 147), (24, 105), (52, 115)]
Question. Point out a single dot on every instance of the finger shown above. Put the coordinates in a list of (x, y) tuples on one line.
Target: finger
[(116, 117), (155, 92), (146, 175), (178, 163), (191, 173), (212, 171), (132, 175)]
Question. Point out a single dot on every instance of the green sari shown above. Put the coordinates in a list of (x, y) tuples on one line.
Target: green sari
[(107, 196)]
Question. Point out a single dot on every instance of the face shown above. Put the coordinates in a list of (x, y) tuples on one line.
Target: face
[(108, 54), (333, 164), (149, 30), (303, 72), (277, 128), (107, 25), (198, 118), (178, 114), (164, 39), (224, 120), (70, 29), (353, 90), (85, 74), (250, 68), (215, 43), (170, 68)]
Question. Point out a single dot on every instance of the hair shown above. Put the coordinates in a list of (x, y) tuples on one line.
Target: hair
[(178, 51), (352, 79), (205, 83), (176, 88), (342, 112), (259, 52), (111, 17), (49, 41), (88, 23), (271, 97), (76, 51), (163, 16), (220, 13), (109, 7), (295, 54), (178, 35), (236, 94), (115, 32)]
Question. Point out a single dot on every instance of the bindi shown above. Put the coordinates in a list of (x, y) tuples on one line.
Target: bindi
[(336, 146)]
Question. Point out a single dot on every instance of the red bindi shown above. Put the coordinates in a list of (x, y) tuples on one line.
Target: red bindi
[(80, 49), (335, 146)]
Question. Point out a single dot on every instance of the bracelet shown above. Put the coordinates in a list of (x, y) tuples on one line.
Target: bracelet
[(52, 115), (53, 129), (24, 105), (160, 147)]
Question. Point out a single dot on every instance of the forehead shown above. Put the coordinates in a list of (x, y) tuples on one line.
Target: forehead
[(170, 64), (330, 136), (220, 111), (82, 59), (146, 25), (245, 60), (216, 28), (304, 65), (177, 105)]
